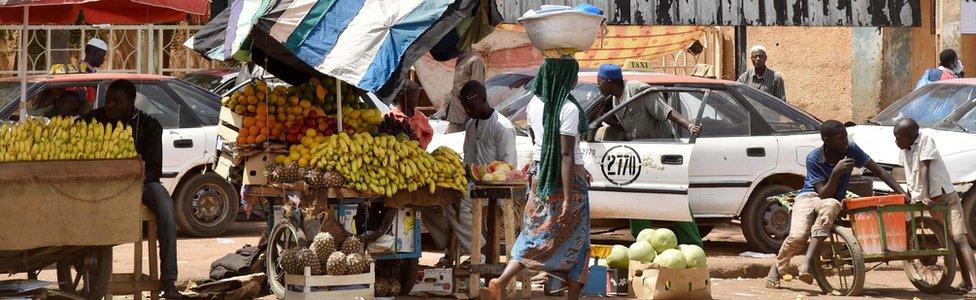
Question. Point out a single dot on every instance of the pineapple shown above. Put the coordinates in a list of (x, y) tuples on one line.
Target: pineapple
[(336, 264), (290, 262), (382, 287), (307, 259), (333, 179), (356, 264), (352, 245), (323, 245), (291, 173)]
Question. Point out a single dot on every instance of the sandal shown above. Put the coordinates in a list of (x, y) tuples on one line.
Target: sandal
[(806, 278), (772, 283)]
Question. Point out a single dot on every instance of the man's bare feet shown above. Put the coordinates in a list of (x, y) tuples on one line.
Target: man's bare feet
[(495, 289), (772, 279)]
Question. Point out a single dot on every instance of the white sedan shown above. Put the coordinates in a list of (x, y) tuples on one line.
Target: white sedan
[(752, 146), (946, 111)]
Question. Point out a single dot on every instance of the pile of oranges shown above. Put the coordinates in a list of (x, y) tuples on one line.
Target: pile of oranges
[(259, 128)]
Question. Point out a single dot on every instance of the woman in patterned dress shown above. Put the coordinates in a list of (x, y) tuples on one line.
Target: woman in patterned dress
[(555, 237)]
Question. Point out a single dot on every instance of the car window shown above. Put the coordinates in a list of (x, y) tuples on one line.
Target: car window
[(153, 100), (513, 108), (965, 123), (204, 80), (780, 117), (61, 100), (500, 87), (205, 105), (929, 105), (721, 117), (9, 92)]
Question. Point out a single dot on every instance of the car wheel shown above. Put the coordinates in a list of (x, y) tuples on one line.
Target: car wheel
[(206, 205), (766, 223), (969, 212)]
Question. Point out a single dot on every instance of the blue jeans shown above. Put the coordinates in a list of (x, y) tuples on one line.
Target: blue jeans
[(155, 196)]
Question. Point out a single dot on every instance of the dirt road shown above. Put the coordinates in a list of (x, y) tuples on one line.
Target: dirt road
[(733, 276)]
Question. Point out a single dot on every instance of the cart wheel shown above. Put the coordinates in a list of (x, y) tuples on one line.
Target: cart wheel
[(87, 274), (284, 236), (839, 269), (932, 274)]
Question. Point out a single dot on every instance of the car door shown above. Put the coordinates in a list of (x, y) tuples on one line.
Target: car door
[(641, 179), (731, 152), (183, 143)]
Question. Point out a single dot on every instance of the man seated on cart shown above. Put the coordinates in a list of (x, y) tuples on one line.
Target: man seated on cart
[(929, 183), (820, 200), (489, 136), (147, 134)]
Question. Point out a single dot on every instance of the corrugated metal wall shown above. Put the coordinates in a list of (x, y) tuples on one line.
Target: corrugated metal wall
[(850, 13)]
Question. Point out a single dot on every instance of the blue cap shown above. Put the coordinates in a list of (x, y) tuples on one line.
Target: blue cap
[(590, 9), (610, 71)]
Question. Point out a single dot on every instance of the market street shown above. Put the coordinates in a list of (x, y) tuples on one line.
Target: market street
[(888, 282)]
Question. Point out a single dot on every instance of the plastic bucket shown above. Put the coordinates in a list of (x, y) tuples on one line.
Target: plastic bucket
[(865, 224)]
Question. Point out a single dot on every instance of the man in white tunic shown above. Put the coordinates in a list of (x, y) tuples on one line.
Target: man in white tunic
[(489, 136)]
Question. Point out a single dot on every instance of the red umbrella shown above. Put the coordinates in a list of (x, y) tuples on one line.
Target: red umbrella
[(64, 12)]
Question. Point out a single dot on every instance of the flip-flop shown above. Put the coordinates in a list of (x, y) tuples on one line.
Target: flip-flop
[(806, 278)]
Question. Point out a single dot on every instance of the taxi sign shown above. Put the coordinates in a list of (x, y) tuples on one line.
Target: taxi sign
[(639, 65)]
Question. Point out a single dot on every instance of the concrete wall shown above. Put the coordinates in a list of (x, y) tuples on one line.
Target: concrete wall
[(815, 63)]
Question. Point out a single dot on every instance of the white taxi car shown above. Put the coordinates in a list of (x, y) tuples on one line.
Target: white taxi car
[(752, 146)]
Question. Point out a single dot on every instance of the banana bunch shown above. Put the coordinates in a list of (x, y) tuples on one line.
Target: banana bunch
[(383, 165), (449, 169), (64, 138)]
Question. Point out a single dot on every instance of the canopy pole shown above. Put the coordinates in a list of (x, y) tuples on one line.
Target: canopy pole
[(338, 104), (22, 65)]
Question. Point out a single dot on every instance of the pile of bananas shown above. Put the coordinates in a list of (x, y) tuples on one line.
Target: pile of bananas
[(64, 138), (384, 166)]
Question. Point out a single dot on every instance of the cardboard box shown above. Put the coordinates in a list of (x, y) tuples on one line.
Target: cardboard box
[(436, 282), (663, 283), (404, 230), (254, 169), (618, 283)]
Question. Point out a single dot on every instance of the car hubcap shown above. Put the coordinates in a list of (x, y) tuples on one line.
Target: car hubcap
[(776, 221), (208, 205)]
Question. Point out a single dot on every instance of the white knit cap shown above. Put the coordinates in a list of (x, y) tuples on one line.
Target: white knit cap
[(98, 43), (758, 48)]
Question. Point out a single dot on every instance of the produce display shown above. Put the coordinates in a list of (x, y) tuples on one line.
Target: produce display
[(658, 246), (381, 165), (63, 139), (497, 171), (323, 258), (287, 114), (399, 129)]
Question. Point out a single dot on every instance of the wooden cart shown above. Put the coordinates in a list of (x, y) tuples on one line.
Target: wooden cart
[(69, 214)]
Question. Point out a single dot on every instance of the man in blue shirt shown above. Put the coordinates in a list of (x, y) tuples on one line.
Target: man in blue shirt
[(819, 201)]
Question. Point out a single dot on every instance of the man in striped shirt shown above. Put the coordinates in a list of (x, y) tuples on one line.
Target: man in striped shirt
[(761, 77)]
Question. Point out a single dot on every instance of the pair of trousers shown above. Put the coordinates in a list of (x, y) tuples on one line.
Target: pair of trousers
[(442, 222), (155, 196), (812, 217)]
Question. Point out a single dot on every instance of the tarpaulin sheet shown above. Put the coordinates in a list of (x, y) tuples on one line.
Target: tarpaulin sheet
[(64, 12)]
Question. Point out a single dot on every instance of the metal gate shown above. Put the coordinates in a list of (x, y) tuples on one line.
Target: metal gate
[(148, 49)]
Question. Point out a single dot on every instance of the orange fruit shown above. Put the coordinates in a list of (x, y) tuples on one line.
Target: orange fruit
[(293, 100), (264, 130), (261, 138), (250, 140), (254, 130), (242, 139), (262, 109), (249, 121), (276, 131), (260, 120)]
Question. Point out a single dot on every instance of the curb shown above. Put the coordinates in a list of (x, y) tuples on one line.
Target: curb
[(731, 267)]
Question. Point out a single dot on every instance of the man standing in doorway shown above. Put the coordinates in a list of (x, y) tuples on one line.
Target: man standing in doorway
[(95, 52), (761, 77), (469, 67), (950, 67)]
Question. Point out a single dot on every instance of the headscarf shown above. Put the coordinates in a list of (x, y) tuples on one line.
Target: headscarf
[(556, 79)]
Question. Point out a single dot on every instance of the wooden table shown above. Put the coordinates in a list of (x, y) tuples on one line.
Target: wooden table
[(508, 194)]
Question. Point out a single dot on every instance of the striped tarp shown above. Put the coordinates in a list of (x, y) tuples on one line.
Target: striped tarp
[(366, 43), (226, 36)]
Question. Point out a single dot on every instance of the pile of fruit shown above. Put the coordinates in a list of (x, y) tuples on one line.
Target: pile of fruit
[(497, 171), (285, 114), (324, 258), (380, 165), (658, 246), (400, 129), (63, 139)]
